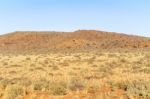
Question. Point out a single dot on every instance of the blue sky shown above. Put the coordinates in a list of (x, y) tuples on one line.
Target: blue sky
[(127, 16)]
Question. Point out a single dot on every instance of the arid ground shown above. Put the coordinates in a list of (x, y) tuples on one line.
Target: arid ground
[(85, 68)]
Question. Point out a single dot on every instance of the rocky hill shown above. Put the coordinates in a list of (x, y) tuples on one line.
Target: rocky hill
[(85, 39)]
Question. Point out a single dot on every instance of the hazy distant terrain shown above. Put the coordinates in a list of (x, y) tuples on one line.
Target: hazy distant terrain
[(84, 64)]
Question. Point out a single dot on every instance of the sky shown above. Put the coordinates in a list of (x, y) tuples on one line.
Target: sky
[(123, 16)]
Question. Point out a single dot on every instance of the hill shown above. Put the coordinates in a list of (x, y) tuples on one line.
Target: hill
[(86, 39)]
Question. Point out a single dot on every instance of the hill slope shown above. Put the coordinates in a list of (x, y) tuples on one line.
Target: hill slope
[(71, 40)]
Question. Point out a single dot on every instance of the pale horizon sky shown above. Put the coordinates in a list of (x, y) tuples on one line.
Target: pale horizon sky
[(123, 16)]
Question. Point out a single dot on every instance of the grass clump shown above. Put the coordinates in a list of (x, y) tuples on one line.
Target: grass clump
[(55, 68), (13, 91), (21, 81), (64, 64), (59, 88), (5, 63), (39, 68), (4, 83), (28, 58), (105, 70), (41, 85), (76, 84), (119, 85), (123, 60), (145, 70), (140, 88)]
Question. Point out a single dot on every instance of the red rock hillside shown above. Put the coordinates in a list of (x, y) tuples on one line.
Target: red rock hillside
[(71, 40)]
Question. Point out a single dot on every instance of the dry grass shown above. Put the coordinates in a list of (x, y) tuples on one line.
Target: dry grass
[(13, 91), (90, 75)]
